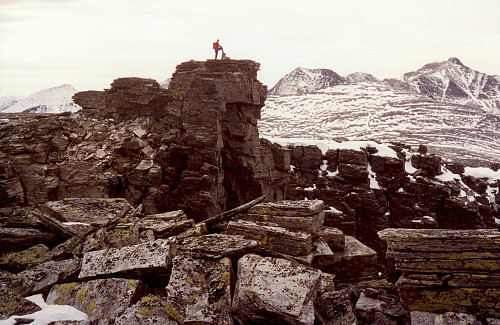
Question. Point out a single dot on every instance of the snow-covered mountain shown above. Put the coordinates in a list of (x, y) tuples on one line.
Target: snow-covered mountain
[(376, 110), (446, 105), (451, 80), (164, 84), (52, 100), (6, 102), (301, 81), (360, 77)]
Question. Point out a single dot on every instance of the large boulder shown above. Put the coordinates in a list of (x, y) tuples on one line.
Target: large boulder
[(274, 291)]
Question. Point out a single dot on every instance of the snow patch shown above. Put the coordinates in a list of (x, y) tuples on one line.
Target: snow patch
[(48, 314), (482, 172)]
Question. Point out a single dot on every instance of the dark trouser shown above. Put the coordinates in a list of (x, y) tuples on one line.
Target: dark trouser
[(217, 52)]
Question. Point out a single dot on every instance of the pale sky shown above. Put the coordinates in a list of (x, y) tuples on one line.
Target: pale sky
[(88, 43)]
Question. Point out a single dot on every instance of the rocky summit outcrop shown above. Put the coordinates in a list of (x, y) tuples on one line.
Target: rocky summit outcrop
[(194, 146)]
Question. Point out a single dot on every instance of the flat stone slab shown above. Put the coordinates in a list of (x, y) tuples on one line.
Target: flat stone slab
[(480, 266), (16, 262), (102, 300), (271, 290), (440, 240), (218, 245), (199, 291), (18, 238), (142, 260), (13, 289), (163, 227), (356, 261), (273, 237), (289, 208), (87, 210)]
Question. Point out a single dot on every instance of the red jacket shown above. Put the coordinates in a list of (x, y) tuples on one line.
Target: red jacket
[(217, 45)]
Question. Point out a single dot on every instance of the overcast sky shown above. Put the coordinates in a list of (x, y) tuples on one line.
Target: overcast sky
[(88, 43)]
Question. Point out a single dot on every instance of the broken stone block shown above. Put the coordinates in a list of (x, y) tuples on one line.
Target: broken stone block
[(357, 261), (273, 237), (199, 291), (271, 290), (96, 212), (199, 229), (13, 289), (43, 276), (323, 255), (334, 237), (151, 259), (371, 311), (149, 309), (102, 300), (334, 307), (17, 261), (217, 245), (115, 238)]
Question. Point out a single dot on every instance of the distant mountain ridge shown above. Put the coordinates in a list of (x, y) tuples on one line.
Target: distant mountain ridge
[(52, 100), (448, 80)]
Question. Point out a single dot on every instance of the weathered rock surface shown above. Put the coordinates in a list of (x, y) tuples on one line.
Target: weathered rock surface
[(199, 291), (97, 298), (150, 309), (139, 261), (447, 270), (274, 291)]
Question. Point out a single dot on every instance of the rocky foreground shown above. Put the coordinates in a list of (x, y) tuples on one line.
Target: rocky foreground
[(111, 210), (275, 263)]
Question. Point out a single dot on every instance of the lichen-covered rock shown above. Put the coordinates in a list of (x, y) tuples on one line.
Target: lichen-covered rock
[(97, 298), (12, 290), (43, 276), (199, 291), (17, 261), (271, 290), (273, 237), (150, 309), (217, 245), (151, 259)]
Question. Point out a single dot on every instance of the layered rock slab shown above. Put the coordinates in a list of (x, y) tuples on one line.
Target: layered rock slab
[(199, 291), (447, 270), (142, 260), (273, 291)]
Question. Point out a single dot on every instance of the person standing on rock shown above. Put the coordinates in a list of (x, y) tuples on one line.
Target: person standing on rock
[(217, 47)]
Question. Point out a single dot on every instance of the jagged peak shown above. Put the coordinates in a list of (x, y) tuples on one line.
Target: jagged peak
[(455, 60)]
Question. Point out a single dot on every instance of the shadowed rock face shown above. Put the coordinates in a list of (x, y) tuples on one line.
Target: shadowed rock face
[(194, 146)]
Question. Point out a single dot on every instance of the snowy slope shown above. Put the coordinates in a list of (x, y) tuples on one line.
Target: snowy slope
[(301, 81), (6, 102), (52, 100), (379, 111), (164, 84), (452, 81)]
